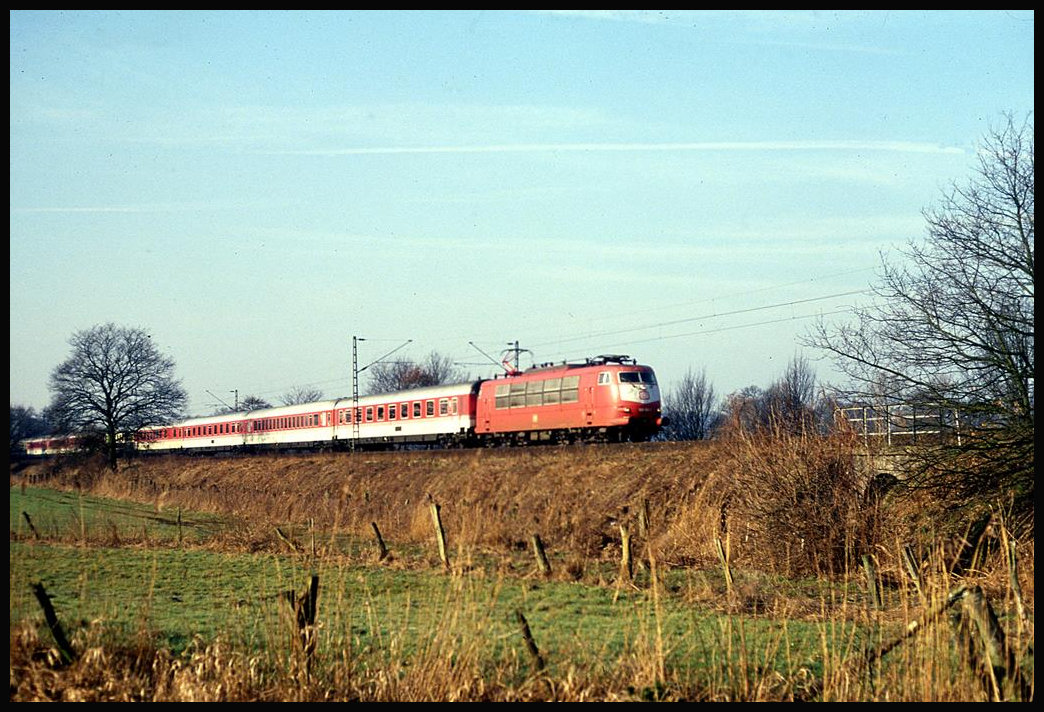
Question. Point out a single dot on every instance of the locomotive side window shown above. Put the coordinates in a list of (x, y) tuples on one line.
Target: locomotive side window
[(570, 389), (502, 394), (552, 391), (518, 395), (603, 378), (535, 393)]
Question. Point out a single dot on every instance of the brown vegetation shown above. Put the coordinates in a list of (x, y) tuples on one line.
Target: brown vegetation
[(784, 504)]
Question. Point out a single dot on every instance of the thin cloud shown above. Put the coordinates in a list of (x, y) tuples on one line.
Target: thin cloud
[(886, 146)]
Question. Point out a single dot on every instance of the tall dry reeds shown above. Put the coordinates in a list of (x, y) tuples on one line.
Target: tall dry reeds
[(793, 501)]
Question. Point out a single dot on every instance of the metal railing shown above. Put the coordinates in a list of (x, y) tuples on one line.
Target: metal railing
[(902, 423)]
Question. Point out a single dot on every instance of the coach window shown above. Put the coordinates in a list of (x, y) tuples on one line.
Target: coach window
[(416, 409), (453, 406), (443, 406), (429, 408), (404, 411), (392, 411), (369, 413), (380, 412)]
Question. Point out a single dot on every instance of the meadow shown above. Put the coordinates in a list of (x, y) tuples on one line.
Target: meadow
[(418, 576)]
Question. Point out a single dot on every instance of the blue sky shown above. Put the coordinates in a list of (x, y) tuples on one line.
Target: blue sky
[(692, 188)]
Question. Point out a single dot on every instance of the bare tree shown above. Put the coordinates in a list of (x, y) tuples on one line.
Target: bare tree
[(404, 374), (689, 408), (300, 394), (253, 403), (25, 423), (790, 401), (115, 382), (790, 404), (952, 326)]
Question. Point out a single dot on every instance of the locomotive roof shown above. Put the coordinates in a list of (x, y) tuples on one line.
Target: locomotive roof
[(603, 360)]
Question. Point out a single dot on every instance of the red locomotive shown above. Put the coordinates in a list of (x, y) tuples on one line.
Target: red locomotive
[(606, 398), (609, 397)]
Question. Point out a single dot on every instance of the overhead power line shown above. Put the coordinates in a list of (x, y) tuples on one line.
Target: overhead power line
[(715, 315)]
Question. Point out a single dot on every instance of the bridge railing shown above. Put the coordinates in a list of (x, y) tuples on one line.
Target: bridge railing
[(900, 424)]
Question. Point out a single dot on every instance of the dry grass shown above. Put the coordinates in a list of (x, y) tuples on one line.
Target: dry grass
[(785, 506)]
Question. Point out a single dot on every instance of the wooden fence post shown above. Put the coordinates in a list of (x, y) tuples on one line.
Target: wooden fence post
[(914, 571), (382, 550), (36, 534), (287, 540), (541, 556), (440, 534), (303, 641), (531, 646), (643, 519), (626, 565), (723, 557), (990, 657), (1013, 578), (871, 582), (65, 650)]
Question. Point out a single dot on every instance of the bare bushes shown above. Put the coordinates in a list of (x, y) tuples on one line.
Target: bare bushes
[(793, 502)]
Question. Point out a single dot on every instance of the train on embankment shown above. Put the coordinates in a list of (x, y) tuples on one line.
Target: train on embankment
[(608, 398)]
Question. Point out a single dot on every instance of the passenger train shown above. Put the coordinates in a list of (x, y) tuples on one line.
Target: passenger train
[(605, 398)]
